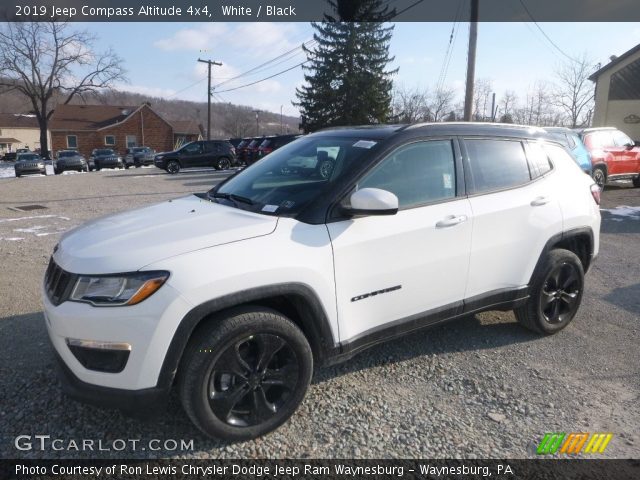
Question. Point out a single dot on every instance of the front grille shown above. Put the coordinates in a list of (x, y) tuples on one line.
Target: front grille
[(58, 283)]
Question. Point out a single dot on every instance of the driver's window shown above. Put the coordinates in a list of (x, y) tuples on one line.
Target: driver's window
[(621, 140), (418, 173)]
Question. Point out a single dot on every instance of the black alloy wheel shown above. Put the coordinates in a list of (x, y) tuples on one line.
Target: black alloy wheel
[(173, 167), (245, 373), (252, 380), (224, 163), (555, 293), (561, 294)]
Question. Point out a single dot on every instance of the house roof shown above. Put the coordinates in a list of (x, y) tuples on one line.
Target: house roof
[(18, 120), (9, 140), (614, 62), (88, 117), (185, 127)]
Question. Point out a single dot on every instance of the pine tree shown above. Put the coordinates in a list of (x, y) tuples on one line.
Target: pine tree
[(346, 81)]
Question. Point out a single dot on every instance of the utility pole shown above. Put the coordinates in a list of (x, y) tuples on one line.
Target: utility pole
[(209, 63), (257, 112), (471, 61), (281, 119)]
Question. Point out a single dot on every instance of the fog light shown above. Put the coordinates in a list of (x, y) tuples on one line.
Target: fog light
[(110, 357)]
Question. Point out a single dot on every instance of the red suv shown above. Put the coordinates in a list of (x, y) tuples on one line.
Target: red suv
[(614, 155)]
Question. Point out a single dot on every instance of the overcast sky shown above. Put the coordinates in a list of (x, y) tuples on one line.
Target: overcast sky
[(161, 58)]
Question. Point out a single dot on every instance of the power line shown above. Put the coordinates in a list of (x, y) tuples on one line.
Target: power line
[(544, 33), (262, 65), (263, 79)]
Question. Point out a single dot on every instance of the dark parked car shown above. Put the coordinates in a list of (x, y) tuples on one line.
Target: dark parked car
[(269, 144), (218, 154), (106, 158), (241, 149), (252, 150), (614, 155), (10, 156), (139, 156), (235, 141), (70, 160), (29, 163)]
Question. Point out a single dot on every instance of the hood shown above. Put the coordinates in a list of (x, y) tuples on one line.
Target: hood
[(126, 242)]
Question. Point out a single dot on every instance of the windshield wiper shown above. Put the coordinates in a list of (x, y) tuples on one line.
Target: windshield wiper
[(235, 198)]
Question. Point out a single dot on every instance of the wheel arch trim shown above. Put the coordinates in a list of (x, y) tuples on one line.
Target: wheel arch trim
[(561, 237), (314, 322)]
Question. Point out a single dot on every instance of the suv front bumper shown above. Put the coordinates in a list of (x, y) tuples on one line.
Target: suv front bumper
[(147, 328), (147, 399)]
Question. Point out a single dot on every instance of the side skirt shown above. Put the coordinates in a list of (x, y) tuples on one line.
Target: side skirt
[(506, 299)]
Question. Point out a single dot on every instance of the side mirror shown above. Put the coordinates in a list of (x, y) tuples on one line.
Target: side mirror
[(372, 201), (630, 145)]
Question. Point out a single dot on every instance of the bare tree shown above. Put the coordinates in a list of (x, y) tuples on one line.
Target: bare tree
[(508, 104), (483, 88), (441, 103), (49, 64), (410, 105), (574, 93)]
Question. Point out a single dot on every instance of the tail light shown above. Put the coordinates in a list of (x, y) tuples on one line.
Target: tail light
[(595, 193)]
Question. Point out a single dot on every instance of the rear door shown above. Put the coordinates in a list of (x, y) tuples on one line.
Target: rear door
[(515, 211), (390, 268)]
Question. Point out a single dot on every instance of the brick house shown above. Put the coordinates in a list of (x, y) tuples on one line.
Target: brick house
[(86, 127)]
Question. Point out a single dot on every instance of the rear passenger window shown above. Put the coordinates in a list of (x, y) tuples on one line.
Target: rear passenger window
[(539, 163), (418, 173), (496, 164)]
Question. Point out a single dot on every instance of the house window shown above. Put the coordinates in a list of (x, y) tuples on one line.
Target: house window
[(72, 141), (131, 141), (110, 140)]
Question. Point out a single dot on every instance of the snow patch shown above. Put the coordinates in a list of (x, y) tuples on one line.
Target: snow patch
[(12, 239), (624, 211), (2, 220)]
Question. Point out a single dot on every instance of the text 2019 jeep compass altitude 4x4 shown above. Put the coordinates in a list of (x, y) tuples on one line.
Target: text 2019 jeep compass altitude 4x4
[(295, 262)]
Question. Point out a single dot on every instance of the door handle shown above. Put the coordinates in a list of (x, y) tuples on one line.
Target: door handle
[(451, 221), (539, 201)]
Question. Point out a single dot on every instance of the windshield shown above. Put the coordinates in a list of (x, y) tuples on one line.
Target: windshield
[(29, 156), (104, 152), (292, 176), (67, 154)]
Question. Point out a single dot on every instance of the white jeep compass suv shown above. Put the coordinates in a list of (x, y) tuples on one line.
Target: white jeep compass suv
[(331, 244)]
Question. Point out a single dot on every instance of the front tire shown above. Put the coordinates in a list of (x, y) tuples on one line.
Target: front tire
[(636, 181), (555, 293), (173, 167), (244, 375)]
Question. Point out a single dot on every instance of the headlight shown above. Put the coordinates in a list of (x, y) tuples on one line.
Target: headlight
[(159, 157), (114, 290)]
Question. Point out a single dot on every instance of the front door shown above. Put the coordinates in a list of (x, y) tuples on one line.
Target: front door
[(390, 268)]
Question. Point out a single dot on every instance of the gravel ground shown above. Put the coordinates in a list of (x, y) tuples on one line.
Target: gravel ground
[(474, 388)]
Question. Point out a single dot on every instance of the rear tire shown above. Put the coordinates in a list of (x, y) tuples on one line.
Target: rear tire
[(223, 164), (555, 293), (599, 176), (245, 374)]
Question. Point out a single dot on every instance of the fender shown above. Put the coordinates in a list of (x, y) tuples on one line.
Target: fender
[(313, 321), (559, 239)]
